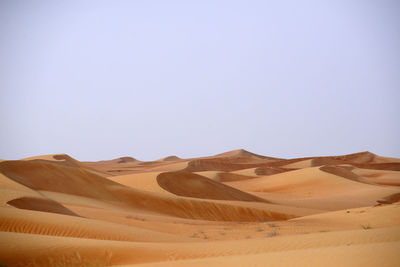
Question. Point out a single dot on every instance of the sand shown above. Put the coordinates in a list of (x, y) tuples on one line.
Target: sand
[(233, 209)]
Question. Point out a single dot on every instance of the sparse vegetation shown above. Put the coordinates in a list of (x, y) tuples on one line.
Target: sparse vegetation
[(272, 225), (135, 217), (204, 235), (200, 234), (366, 227), (259, 229), (271, 234)]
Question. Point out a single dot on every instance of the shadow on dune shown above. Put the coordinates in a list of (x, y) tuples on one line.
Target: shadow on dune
[(40, 204), (345, 173), (393, 198), (189, 184)]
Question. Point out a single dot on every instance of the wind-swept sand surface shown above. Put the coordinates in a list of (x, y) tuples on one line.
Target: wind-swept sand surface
[(232, 209)]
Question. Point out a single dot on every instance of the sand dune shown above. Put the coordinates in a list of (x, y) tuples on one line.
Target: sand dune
[(142, 181), (243, 153), (379, 176), (42, 175), (230, 177), (316, 188), (345, 173), (232, 209), (193, 185), (303, 182), (170, 158), (115, 167), (224, 164), (272, 170)]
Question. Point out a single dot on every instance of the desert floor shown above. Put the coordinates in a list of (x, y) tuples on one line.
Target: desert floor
[(231, 209)]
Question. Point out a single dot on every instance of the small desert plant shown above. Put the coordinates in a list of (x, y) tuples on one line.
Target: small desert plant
[(271, 234), (259, 229), (204, 235), (366, 227), (135, 217), (272, 225), (201, 233), (194, 235)]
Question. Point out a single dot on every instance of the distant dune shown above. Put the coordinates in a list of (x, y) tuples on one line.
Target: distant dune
[(233, 209), (170, 158), (242, 153)]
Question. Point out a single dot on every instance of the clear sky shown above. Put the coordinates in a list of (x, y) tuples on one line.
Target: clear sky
[(147, 79)]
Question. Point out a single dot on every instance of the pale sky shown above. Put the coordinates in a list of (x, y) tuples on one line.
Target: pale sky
[(104, 79)]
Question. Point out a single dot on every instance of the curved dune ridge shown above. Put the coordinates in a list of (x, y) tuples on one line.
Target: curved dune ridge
[(308, 181), (345, 173), (193, 185), (42, 175), (270, 170), (40, 204), (229, 177), (393, 198), (233, 209), (225, 164), (66, 160), (61, 159), (142, 181)]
